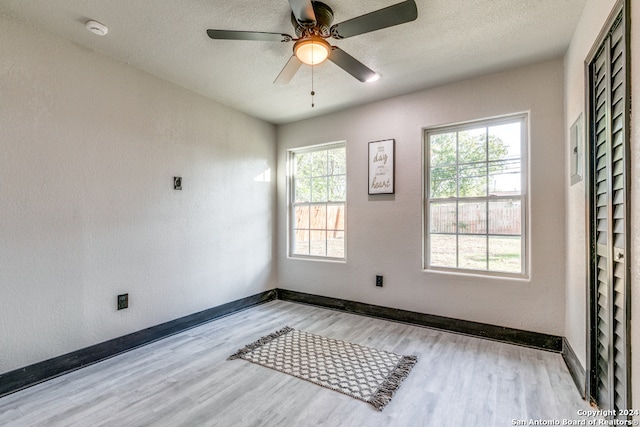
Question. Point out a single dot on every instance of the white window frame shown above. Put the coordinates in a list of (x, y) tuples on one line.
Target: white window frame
[(524, 195), (291, 204)]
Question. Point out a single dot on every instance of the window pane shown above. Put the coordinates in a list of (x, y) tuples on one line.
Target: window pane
[(303, 190), (302, 165), (442, 217), (443, 182), (505, 254), (505, 178), (337, 188), (472, 217), (301, 242), (319, 189), (442, 250), (335, 217), (472, 145), (337, 161), (302, 216), (473, 180), (318, 243), (319, 163), (472, 252), (443, 149), (335, 244), (318, 216), (505, 216), (505, 141)]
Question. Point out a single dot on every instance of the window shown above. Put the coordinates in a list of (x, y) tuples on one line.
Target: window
[(475, 182), (318, 193)]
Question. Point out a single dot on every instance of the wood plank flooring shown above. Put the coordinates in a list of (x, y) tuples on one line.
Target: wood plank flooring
[(185, 380)]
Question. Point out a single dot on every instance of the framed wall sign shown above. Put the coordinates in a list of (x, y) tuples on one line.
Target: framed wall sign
[(382, 166)]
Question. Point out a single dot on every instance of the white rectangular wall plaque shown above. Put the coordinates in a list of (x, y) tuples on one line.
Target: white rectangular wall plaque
[(382, 167)]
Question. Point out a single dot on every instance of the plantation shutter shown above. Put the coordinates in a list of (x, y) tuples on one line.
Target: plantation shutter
[(609, 112)]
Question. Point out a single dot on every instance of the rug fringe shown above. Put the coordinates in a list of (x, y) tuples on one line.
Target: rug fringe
[(386, 390), (259, 343)]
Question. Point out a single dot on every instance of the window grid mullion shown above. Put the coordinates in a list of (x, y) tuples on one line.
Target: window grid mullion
[(326, 206), (326, 216), (457, 199), (486, 205), (457, 234), (309, 227)]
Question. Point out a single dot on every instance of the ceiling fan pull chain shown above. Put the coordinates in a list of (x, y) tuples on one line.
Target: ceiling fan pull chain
[(312, 91)]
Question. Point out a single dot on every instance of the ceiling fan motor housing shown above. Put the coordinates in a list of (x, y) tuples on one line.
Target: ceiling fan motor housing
[(322, 26)]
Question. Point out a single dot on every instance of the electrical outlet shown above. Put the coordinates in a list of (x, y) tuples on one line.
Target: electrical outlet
[(123, 301), (379, 281), (177, 183)]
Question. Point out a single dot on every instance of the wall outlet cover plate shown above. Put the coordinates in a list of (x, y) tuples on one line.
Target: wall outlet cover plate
[(123, 301)]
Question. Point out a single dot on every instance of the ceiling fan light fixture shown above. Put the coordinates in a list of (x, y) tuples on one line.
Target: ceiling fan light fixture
[(312, 50)]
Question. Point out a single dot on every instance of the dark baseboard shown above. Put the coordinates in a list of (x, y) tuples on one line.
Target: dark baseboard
[(482, 330), (33, 374), (18, 379), (576, 370)]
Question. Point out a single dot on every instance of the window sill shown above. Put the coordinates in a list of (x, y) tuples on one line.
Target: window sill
[(524, 278), (321, 259)]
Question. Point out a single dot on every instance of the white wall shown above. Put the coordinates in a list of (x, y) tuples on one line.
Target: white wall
[(88, 150), (384, 234)]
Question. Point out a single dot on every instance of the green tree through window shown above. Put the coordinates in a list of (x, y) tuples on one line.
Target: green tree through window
[(474, 196), (473, 158)]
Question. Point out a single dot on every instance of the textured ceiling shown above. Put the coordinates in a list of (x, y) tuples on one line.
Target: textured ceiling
[(450, 40)]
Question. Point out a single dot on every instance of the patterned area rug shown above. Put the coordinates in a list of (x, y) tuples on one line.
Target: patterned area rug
[(362, 372)]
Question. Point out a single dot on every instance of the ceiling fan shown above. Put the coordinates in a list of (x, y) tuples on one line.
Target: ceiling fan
[(312, 23)]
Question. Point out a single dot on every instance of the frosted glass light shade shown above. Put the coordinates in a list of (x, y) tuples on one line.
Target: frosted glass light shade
[(312, 50)]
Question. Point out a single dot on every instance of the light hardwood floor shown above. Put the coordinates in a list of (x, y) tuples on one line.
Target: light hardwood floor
[(185, 380)]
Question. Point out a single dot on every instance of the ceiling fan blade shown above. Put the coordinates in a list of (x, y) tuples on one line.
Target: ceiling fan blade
[(248, 35), (399, 13), (303, 11), (289, 70), (351, 65)]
